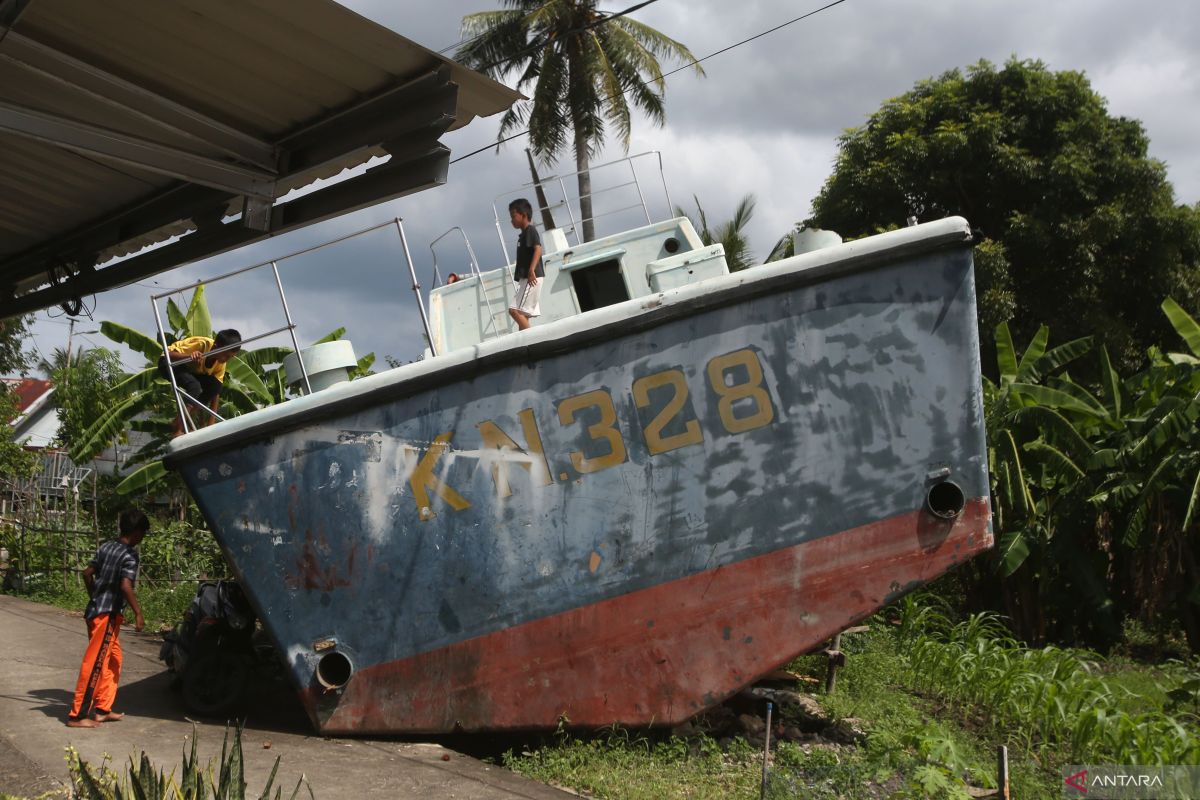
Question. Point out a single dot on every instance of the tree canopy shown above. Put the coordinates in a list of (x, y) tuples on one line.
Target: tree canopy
[(1078, 226), (585, 66)]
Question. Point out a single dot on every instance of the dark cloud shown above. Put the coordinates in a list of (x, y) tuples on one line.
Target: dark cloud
[(765, 120)]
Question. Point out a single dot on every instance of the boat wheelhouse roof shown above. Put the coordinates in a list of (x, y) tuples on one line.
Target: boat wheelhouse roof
[(563, 335), (126, 124)]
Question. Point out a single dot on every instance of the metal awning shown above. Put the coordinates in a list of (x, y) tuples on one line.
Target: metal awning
[(128, 123)]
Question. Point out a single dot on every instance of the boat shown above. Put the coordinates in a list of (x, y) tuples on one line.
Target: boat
[(677, 481)]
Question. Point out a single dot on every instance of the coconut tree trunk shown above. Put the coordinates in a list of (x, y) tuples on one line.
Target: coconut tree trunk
[(547, 217), (585, 187)]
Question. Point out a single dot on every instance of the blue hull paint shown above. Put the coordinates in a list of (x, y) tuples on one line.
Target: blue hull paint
[(389, 524)]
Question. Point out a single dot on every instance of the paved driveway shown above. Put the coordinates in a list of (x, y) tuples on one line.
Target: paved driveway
[(40, 648)]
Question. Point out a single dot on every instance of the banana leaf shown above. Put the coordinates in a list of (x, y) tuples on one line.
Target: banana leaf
[(1184, 325), (1191, 508), (1056, 358), (241, 372), (135, 340), (1055, 427), (1058, 399), (1111, 383), (105, 429), (1056, 458), (1006, 357), (199, 322), (1035, 350), (264, 356), (332, 336), (1012, 549), (176, 318), (142, 381), (1141, 509), (142, 479)]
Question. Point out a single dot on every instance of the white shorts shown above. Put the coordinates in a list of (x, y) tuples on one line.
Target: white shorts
[(528, 299)]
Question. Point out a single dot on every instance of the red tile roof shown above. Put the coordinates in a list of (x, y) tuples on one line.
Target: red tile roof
[(27, 390)]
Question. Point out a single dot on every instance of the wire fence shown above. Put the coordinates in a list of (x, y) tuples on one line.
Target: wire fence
[(44, 556)]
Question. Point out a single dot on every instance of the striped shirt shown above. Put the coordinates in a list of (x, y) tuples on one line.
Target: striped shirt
[(113, 561)]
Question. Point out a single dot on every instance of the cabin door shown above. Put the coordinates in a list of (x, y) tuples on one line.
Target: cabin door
[(599, 285)]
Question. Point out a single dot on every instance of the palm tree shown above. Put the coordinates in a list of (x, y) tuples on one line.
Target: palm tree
[(586, 64), (730, 234)]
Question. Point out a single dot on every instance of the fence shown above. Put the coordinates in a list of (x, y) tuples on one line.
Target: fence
[(41, 557)]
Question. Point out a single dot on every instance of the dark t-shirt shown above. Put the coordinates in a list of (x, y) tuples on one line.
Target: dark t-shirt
[(528, 239), (113, 561)]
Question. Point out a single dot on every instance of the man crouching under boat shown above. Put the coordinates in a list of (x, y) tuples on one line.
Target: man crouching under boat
[(201, 375), (529, 270)]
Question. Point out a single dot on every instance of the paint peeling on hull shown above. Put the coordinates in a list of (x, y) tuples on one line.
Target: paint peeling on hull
[(626, 525), (660, 655)]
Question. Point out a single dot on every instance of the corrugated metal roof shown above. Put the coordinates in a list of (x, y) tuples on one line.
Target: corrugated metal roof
[(127, 122)]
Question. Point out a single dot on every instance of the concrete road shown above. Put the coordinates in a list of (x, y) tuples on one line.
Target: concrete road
[(40, 649)]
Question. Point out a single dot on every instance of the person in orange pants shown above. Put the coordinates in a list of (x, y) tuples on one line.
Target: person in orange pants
[(110, 580)]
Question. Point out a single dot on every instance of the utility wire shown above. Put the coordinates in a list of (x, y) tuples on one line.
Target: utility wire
[(665, 75)]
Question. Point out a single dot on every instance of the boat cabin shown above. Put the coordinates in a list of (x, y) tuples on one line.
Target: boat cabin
[(582, 277)]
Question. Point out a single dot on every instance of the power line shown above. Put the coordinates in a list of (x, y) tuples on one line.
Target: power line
[(525, 132)]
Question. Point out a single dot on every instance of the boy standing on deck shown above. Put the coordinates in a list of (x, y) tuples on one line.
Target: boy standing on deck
[(529, 270), (110, 579)]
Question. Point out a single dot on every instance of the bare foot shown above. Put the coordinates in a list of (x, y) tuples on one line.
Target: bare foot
[(111, 716), (82, 723)]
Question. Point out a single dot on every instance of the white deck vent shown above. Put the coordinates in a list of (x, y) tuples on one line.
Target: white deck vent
[(328, 364)]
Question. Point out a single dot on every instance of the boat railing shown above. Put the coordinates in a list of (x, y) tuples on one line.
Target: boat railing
[(574, 228), (184, 400)]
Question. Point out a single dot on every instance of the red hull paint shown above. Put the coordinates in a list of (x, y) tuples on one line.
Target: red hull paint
[(659, 655)]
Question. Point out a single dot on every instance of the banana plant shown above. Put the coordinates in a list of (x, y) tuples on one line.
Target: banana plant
[(142, 401), (1038, 422)]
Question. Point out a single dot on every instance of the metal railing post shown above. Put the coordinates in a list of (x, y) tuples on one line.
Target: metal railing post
[(663, 177), (416, 287), (638, 187), (570, 213), (287, 313), (500, 236), (184, 417)]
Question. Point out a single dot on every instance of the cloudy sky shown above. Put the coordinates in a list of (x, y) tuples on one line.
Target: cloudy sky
[(764, 121)]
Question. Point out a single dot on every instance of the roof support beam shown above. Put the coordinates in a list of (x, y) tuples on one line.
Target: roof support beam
[(10, 11), (136, 151), (137, 101), (412, 169)]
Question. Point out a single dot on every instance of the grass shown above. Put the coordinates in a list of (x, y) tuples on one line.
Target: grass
[(935, 698), (162, 604)]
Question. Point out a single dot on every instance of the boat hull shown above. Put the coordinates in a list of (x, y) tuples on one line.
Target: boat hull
[(621, 518)]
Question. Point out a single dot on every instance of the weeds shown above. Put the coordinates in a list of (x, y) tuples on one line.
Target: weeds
[(1047, 696), (140, 781)]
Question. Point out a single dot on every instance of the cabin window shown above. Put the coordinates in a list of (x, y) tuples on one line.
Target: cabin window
[(599, 285)]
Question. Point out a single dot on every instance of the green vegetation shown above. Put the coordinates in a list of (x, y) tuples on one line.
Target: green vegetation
[(586, 67), (140, 781), (934, 697), (1077, 225), (1095, 488), (174, 557), (730, 234)]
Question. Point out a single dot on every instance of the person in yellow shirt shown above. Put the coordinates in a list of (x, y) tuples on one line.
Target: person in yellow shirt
[(196, 372)]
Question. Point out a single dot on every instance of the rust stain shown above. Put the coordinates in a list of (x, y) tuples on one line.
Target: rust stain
[(311, 573), (594, 562), (241, 487)]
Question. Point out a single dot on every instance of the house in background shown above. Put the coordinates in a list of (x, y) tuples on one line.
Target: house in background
[(36, 423), (36, 429)]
